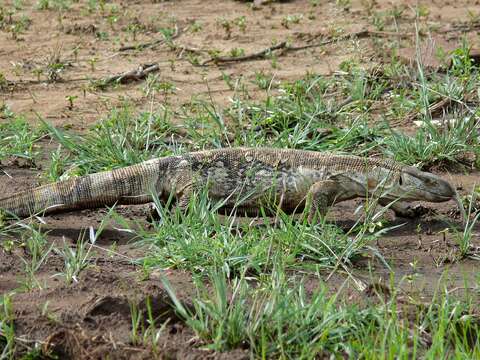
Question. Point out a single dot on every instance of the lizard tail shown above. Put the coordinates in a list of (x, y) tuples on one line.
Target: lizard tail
[(130, 185)]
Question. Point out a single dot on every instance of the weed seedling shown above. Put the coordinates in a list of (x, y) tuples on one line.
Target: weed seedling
[(71, 99)]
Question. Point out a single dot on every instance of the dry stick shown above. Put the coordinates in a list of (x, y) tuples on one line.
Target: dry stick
[(133, 75), (257, 55), (358, 34), (283, 46), (431, 109)]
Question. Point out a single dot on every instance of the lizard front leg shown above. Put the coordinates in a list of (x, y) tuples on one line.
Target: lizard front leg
[(322, 195), (403, 209)]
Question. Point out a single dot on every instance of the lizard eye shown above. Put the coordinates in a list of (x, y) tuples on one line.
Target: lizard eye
[(400, 180)]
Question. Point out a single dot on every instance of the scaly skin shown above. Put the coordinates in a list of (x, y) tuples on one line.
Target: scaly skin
[(245, 179)]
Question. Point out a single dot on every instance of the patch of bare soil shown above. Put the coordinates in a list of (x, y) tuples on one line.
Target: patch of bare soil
[(92, 319), (50, 67)]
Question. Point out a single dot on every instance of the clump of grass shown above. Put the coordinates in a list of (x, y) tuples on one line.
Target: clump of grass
[(122, 139), (276, 318), (432, 145), (301, 117), (464, 238), (18, 139), (198, 239), (38, 250), (78, 259)]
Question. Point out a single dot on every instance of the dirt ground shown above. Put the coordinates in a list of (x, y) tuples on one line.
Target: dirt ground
[(92, 317)]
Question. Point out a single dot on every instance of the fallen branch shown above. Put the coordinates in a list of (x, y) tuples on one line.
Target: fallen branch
[(358, 34), (133, 75), (258, 55), (432, 109), (286, 48)]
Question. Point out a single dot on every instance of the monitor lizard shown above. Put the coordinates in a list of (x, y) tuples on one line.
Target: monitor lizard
[(244, 180)]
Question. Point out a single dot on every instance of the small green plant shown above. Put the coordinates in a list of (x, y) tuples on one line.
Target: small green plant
[(473, 16), (141, 335), (137, 322), (53, 4), (422, 11), (227, 26), (18, 139), (43, 4), (464, 238), (38, 251), (262, 80), (18, 5), (133, 29), (71, 99), (196, 26), (344, 4), (7, 332), (237, 52), (461, 61), (19, 26), (112, 20), (290, 20), (241, 22), (93, 61), (76, 260), (57, 166), (54, 65), (228, 80), (168, 34)]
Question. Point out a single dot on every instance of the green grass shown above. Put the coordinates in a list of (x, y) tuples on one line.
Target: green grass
[(278, 318), (122, 139), (199, 239), (7, 332), (18, 139), (432, 145)]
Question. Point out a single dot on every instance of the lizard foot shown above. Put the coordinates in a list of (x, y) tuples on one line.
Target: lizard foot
[(415, 211)]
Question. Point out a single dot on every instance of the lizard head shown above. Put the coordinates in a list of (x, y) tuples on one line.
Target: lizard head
[(413, 184)]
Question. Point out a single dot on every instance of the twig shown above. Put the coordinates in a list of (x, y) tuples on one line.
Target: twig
[(24, 342), (257, 55), (360, 34), (432, 109), (462, 27), (286, 48), (133, 75)]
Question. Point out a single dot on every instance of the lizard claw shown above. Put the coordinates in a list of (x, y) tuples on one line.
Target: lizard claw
[(415, 211)]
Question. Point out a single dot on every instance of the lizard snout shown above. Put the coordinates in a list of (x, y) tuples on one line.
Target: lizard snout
[(432, 187)]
